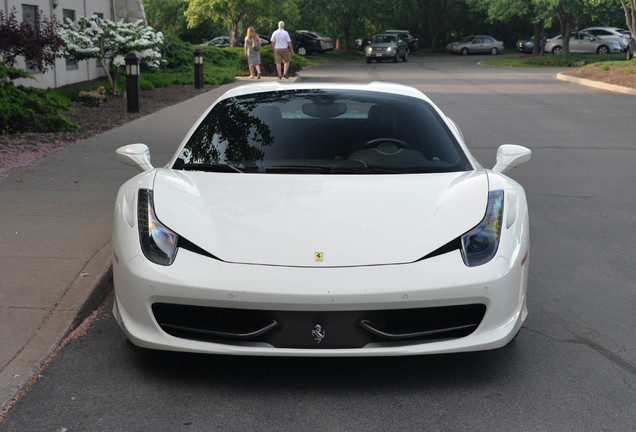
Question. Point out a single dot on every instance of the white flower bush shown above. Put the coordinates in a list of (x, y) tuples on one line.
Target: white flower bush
[(109, 42)]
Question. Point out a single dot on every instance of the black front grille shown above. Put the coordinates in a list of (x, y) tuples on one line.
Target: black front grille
[(317, 329)]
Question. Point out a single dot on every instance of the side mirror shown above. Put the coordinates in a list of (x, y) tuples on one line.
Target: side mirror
[(510, 156), (135, 155)]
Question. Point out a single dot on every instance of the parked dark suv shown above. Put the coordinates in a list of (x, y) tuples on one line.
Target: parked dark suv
[(406, 36)]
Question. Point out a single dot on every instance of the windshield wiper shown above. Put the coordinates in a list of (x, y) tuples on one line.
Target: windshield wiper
[(211, 167)]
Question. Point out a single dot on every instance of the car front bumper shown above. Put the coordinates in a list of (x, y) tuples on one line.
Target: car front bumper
[(195, 280), (381, 54)]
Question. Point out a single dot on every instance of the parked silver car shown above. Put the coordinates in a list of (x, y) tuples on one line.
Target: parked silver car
[(476, 44), (611, 33), (583, 43), (387, 46)]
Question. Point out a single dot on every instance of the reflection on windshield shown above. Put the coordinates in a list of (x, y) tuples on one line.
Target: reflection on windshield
[(322, 132)]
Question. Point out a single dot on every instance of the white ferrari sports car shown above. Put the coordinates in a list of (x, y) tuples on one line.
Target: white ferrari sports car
[(321, 220)]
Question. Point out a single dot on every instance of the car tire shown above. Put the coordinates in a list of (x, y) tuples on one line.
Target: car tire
[(368, 60), (603, 49), (464, 51), (395, 58), (405, 57), (630, 54), (494, 51), (302, 51), (557, 50)]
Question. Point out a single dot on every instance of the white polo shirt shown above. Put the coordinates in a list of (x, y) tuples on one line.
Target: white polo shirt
[(280, 38)]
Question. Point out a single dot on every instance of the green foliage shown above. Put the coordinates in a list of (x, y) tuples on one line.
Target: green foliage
[(168, 16), (555, 60), (27, 109), (9, 73), (605, 68), (237, 15)]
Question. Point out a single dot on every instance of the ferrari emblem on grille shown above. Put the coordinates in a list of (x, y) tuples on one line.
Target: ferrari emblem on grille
[(318, 333), (318, 256)]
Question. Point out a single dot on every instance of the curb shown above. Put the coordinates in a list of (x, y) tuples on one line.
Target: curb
[(597, 84), (86, 292)]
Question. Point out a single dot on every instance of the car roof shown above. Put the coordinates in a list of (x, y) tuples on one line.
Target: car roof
[(376, 86)]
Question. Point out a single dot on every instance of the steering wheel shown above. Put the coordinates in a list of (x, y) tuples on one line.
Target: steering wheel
[(377, 142)]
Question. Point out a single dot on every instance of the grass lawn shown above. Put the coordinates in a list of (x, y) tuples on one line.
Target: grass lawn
[(558, 60)]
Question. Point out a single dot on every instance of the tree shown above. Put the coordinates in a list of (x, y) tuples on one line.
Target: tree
[(630, 15), (168, 17), (109, 42), (38, 42), (238, 15), (531, 11)]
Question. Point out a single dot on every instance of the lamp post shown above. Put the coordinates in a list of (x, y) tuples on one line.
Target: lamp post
[(198, 68), (132, 83)]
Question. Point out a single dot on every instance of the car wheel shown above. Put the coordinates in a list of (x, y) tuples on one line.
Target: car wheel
[(405, 57), (630, 54), (494, 51), (395, 58), (368, 60), (302, 51), (557, 50), (602, 50), (464, 51)]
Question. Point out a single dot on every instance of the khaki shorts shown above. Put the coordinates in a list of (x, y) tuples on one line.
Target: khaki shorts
[(281, 55)]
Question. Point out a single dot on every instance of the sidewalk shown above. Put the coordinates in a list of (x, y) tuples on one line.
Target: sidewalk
[(55, 231)]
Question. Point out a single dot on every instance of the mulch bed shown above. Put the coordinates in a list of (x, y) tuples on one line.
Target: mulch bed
[(22, 149)]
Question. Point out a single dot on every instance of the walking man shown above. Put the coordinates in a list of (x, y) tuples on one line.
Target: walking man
[(283, 49)]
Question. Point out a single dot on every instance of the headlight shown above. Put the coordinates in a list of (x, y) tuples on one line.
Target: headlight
[(389, 49), (480, 244), (368, 48), (158, 242)]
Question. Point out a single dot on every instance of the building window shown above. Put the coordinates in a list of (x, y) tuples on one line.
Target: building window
[(70, 14), (29, 15)]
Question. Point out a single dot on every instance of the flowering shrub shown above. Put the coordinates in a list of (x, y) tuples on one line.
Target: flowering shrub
[(109, 42)]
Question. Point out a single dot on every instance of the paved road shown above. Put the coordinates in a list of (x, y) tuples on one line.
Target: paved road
[(573, 366)]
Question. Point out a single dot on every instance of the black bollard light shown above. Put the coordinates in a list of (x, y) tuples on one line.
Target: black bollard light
[(198, 68), (132, 83)]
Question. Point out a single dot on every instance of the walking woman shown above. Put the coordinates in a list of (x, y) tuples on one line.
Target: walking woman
[(252, 52)]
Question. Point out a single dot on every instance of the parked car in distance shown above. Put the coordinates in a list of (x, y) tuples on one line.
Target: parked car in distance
[(224, 41), (527, 45), (476, 44), (411, 41), (219, 42), (631, 49), (583, 43), (387, 46), (309, 42), (611, 33)]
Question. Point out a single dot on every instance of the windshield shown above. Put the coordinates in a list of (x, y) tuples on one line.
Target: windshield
[(380, 39), (469, 39), (324, 132)]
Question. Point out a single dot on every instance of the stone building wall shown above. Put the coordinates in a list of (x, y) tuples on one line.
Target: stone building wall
[(129, 10)]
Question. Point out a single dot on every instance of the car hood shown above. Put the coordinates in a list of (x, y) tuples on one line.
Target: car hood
[(351, 220)]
